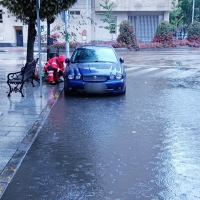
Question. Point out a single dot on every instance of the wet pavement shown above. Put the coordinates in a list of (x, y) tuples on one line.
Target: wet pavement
[(140, 146), (144, 145), (175, 57)]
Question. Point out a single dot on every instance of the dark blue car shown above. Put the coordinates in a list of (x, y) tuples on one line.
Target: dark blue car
[(95, 69)]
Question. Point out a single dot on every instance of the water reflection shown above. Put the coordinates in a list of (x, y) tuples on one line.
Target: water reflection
[(179, 159)]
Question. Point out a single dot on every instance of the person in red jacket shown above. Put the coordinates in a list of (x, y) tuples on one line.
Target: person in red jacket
[(55, 68)]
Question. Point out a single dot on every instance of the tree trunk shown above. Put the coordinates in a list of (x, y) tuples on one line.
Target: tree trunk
[(30, 40)]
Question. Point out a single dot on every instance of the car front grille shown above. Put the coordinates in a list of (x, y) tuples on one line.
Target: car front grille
[(95, 78)]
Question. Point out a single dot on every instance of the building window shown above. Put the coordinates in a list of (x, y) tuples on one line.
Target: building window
[(74, 12), (1, 19), (145, 26), (113, 24)]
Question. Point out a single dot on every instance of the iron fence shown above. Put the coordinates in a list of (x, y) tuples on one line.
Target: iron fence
[(180, 34)]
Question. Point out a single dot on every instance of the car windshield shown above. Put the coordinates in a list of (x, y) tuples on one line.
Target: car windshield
[(102, 54)]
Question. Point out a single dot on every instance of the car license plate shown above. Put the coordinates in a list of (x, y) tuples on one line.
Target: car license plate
[(95, 88)]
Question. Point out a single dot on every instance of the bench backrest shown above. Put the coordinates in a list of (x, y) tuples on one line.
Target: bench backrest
[(28, 70)]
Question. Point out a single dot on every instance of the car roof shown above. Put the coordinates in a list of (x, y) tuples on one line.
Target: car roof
[(94, 45)]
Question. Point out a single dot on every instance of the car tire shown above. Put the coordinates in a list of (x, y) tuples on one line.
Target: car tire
[(66, 92), (124, 92)]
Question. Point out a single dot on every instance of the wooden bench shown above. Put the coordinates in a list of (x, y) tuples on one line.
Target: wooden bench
[(16, 80)]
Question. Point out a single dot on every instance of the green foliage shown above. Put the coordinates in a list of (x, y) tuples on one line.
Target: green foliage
[(26, 9), (163, 33), (194, 32), (107, 15), (127, 35), (186, 14), (163, 28), (175, 15)]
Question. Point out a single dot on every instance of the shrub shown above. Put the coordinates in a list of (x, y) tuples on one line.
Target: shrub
[(163, 33), (58, 45), (55, 36), (116, 44), (74, 44), (127, 36), (163, 28), (194, 32), (175, 43)]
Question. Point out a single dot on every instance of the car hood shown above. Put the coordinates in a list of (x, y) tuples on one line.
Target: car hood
[(96, 68)]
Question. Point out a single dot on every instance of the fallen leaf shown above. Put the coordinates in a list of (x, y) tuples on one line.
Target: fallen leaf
[(13, 169), (8, 177)]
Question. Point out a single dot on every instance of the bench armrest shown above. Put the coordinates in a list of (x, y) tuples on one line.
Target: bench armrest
[(14, 76)]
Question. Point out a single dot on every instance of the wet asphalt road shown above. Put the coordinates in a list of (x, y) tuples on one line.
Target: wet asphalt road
[(144, 145)]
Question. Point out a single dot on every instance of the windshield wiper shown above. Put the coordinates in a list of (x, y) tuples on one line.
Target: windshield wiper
[(79, 61)]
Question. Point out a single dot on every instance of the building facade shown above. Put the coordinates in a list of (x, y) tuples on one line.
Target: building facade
[(12, 31), (86, 21), (145, 16)]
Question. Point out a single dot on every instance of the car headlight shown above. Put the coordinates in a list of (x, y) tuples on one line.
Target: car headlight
[(70, 76), (118, 76), (77, 77)]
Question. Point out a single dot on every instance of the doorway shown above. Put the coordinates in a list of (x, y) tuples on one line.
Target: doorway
[(19, 37)]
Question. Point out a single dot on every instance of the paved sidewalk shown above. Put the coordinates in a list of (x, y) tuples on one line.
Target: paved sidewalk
[(21, 119)]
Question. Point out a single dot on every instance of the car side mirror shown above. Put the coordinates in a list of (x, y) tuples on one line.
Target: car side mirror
[(121, 60), (67, 60)]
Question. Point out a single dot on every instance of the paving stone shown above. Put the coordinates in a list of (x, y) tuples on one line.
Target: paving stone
[(13, 128), (9, 142), (27, 125), (17, 121), (16, 134), (11, 118), (30, 116), (3, 163), (3, 133), (6, 153), (10, 139), (8, 123)]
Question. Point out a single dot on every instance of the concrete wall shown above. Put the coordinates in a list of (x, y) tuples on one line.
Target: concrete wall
[(8, 27), (81, 22), (137, 5), (104, 34), (78, 23)]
